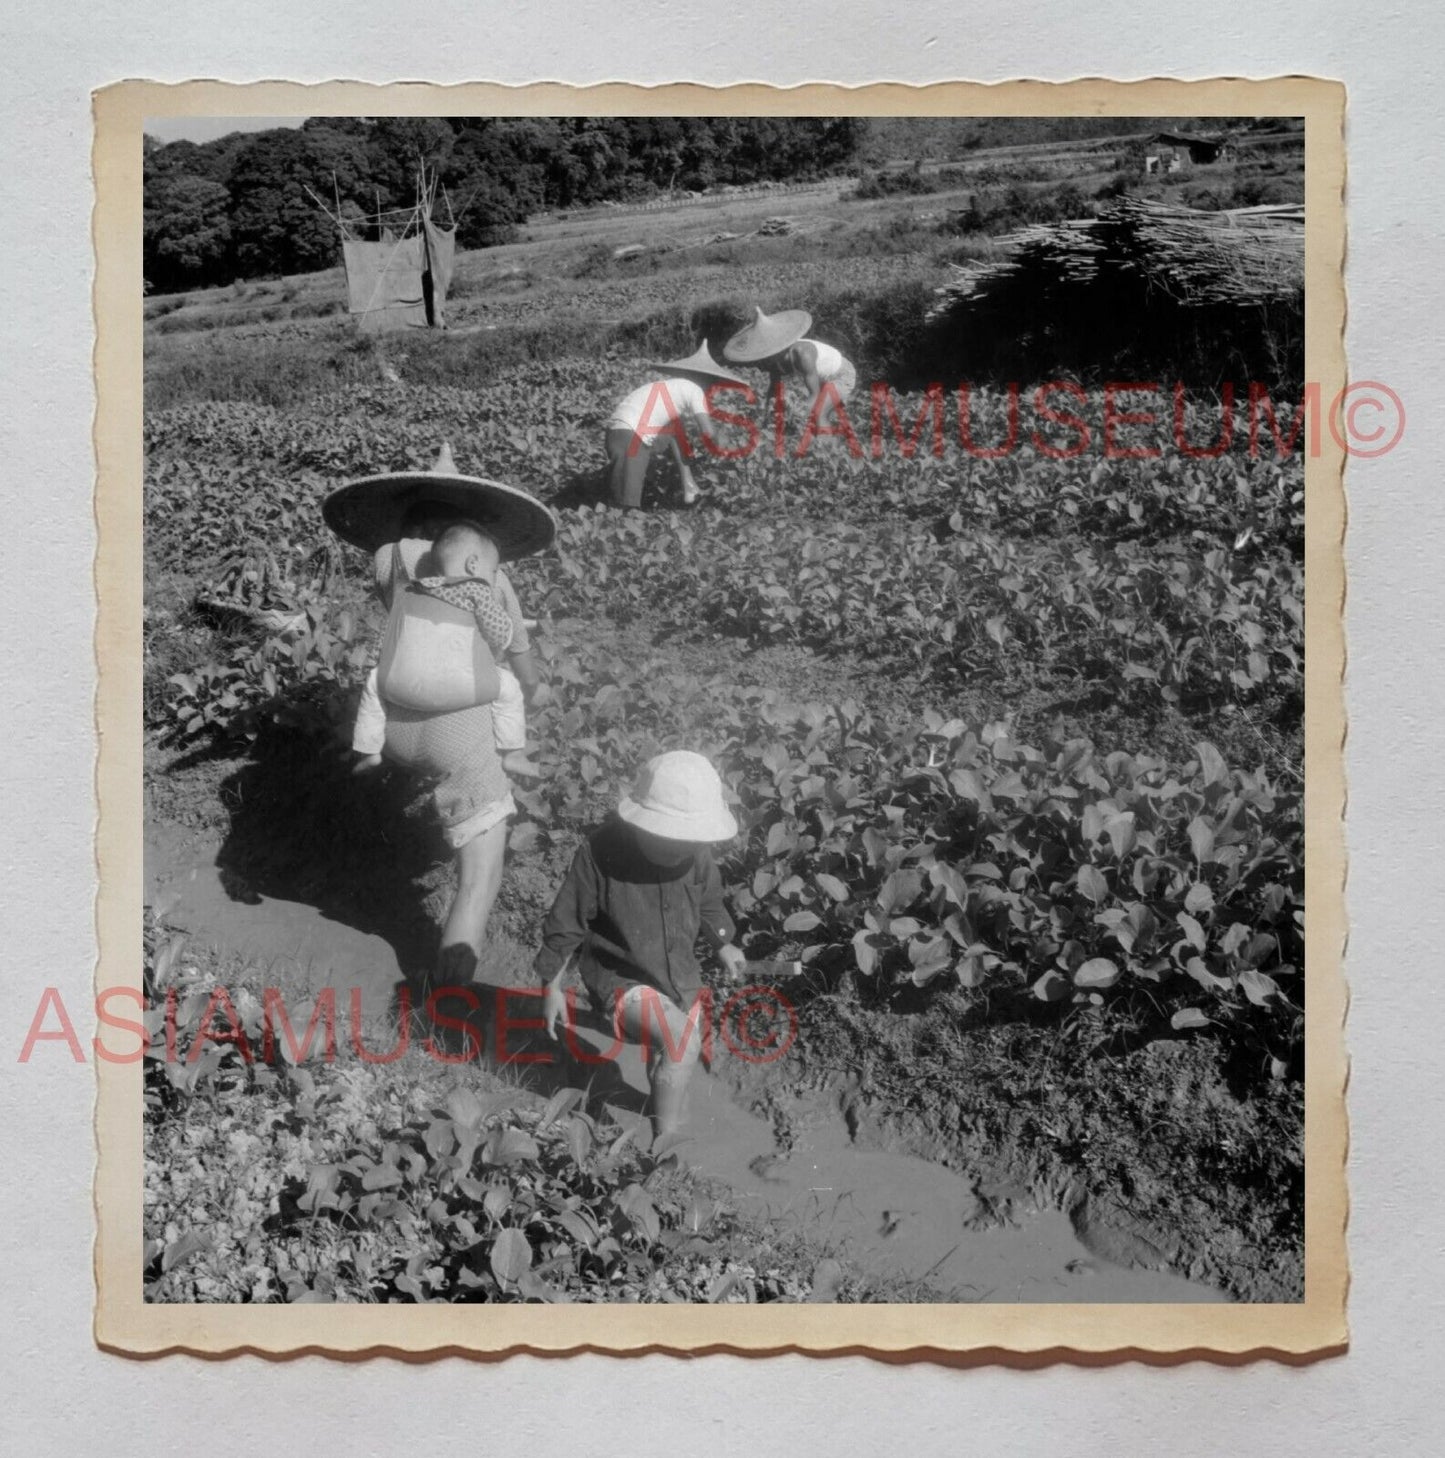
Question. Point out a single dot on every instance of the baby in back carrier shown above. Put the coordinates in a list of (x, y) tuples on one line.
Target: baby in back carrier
[(468, 577), (438, 703)]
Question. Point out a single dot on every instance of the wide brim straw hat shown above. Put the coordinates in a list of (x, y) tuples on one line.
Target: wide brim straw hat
[(678, 796), (701, 362), (370, 512), (767, 335)]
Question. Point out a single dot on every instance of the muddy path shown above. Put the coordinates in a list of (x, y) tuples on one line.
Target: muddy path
[(954, 1232), (1149, 1155)]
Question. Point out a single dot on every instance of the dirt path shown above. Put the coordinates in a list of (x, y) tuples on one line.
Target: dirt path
[(901, 1216), (888, 1213), (292, 944)]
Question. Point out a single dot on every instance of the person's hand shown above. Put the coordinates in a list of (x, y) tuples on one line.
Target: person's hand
[(733, 960), (554, 1006)]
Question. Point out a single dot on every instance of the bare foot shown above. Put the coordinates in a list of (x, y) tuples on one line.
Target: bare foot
[(366, 764)]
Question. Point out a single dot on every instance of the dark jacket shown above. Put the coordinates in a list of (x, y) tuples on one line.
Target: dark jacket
[(632, 921)]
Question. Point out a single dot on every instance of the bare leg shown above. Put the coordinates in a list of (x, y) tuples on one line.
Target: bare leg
[(479, 878), (673, 1040), (368, 736), (670, 1078)]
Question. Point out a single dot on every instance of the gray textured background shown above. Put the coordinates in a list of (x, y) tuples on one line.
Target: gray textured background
[(59, 1393)]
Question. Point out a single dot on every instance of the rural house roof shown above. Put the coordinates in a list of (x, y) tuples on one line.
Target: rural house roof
[(1192, 139)]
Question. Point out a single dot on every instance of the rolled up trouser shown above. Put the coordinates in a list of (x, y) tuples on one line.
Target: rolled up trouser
[(509, 713), (846, 380)]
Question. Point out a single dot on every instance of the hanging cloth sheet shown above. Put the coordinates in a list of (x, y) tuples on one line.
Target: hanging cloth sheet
[(400, 283)]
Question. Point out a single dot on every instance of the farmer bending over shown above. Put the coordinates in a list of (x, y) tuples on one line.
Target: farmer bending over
[(775, 342), (652, 416)]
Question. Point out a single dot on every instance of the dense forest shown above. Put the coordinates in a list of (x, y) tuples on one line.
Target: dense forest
[(243, 206), (239, 207)]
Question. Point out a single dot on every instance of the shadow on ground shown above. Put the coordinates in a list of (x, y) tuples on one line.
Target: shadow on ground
[(499, 1025), (360, 849)]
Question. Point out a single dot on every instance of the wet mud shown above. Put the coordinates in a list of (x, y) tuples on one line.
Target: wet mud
[(814, 1163)]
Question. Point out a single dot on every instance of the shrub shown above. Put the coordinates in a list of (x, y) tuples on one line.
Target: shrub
[(910, 183)]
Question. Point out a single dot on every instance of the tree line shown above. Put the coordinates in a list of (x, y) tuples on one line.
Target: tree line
[(239, 207)]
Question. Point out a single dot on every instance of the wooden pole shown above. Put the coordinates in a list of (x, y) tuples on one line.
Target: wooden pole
[(335, 218)]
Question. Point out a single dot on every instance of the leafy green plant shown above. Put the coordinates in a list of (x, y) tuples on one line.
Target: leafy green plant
[(330, 1179), (938, 855)]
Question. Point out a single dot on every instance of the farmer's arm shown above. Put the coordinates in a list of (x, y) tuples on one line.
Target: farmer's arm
[(520, 657), (717, 928), (718, 412), (777, 389), (381, 572), (807, 362), (691, 421), (798, 363), (565, 930)]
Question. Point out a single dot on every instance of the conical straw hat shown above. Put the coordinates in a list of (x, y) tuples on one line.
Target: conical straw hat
[(767, 335), (701, 362), (370, 512)]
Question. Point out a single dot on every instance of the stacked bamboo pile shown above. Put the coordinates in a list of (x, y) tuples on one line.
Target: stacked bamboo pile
[(1248, 256)]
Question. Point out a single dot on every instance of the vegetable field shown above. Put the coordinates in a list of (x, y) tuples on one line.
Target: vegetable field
[(1016, 746)]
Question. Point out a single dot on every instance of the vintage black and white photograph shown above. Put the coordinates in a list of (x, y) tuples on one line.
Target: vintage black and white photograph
[(724, 709)]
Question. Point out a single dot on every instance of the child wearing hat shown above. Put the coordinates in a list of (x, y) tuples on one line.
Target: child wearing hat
[(655, 412), (776, 343), (639, 893)]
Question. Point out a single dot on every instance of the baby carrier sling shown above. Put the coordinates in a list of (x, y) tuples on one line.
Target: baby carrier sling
[(434, 659), (437, 677)]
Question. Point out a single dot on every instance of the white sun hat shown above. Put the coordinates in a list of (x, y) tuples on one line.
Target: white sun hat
[(678, 796)]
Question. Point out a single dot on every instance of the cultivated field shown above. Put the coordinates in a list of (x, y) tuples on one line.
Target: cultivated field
[(1016, 742)]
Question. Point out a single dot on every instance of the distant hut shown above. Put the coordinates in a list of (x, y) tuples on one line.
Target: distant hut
[(1172, 151), (398, 261)]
